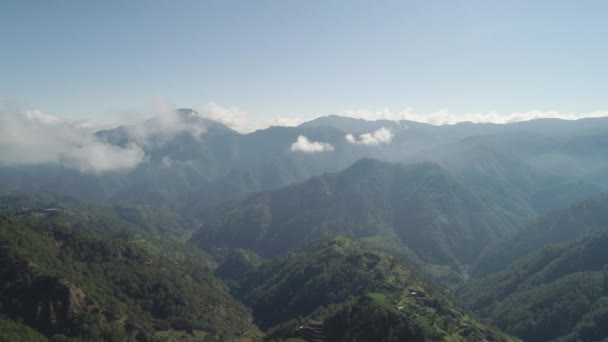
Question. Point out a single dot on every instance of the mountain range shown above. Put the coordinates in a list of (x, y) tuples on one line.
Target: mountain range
[(339, 229)]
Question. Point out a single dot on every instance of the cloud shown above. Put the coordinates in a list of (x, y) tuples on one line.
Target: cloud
[(229, 116), (302, 144), (378, 137), (97, 157), (445, 117), (36, 115), (165, 124), (240, 121), (32, 137), (372, 115), (283, 122)]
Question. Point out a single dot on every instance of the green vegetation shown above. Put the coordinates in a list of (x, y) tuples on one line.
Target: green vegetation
[(63, 280), (422, 206), (11, 331), (346, 292), (558, 293), (69, 274), (346, 256), (379, 299), (560, 226)]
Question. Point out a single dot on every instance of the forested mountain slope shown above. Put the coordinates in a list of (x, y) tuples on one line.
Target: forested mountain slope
[(62, 277), (422, 206), (560, 226), (344, 291), (559, 293)]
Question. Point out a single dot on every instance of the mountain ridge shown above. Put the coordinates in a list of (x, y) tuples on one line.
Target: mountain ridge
[(421, 204)]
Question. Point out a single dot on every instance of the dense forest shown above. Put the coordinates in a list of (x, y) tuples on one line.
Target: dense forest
[(71, 283)]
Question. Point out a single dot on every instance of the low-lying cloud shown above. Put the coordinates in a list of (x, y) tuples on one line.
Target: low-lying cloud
[(302, 144), (32, 137), (378, 137), (240, 121), (98, 157), (164, 125), (445, 117)]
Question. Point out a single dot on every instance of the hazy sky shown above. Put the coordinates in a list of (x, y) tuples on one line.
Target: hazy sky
[(84, 59)]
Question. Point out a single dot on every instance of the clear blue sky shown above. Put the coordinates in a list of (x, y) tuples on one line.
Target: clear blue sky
[(305, 58)]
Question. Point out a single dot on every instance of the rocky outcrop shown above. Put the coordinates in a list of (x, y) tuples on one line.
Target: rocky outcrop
[(53, 304)]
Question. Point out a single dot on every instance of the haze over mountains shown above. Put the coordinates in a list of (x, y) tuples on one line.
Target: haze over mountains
[(183, 156), (180, 228)]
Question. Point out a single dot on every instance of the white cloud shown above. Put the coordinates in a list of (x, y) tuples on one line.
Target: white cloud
[(28, 138), (240, 121), (378, 137), (283, 122), (164, 125), (372, 115), (302, 144), (97, 157), (445, 117), (229, 116), (36, 115)]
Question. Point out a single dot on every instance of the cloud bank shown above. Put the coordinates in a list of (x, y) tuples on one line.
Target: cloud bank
[(445, 117), (302, 144), (230, 116), (97, 157), (242, 122), (378, 137), (32, 137)]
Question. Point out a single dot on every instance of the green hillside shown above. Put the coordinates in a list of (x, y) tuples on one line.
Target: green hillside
[(343, 288), (422, 206), (560, 226), (61, 277), (558, 293)]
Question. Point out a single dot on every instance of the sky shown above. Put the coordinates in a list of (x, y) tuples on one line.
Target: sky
[(296, 60)]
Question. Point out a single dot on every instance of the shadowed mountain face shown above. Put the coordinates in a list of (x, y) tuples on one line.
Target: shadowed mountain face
[(420, 205)]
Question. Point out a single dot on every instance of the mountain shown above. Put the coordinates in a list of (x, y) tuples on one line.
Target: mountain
[(502, 180), (421, 206), (557, 294), (193, 163), (572, 154), (352, 125), (214, 230), (74, 275), (557, 227), (336, 289), (491, 164), (109, 220)]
